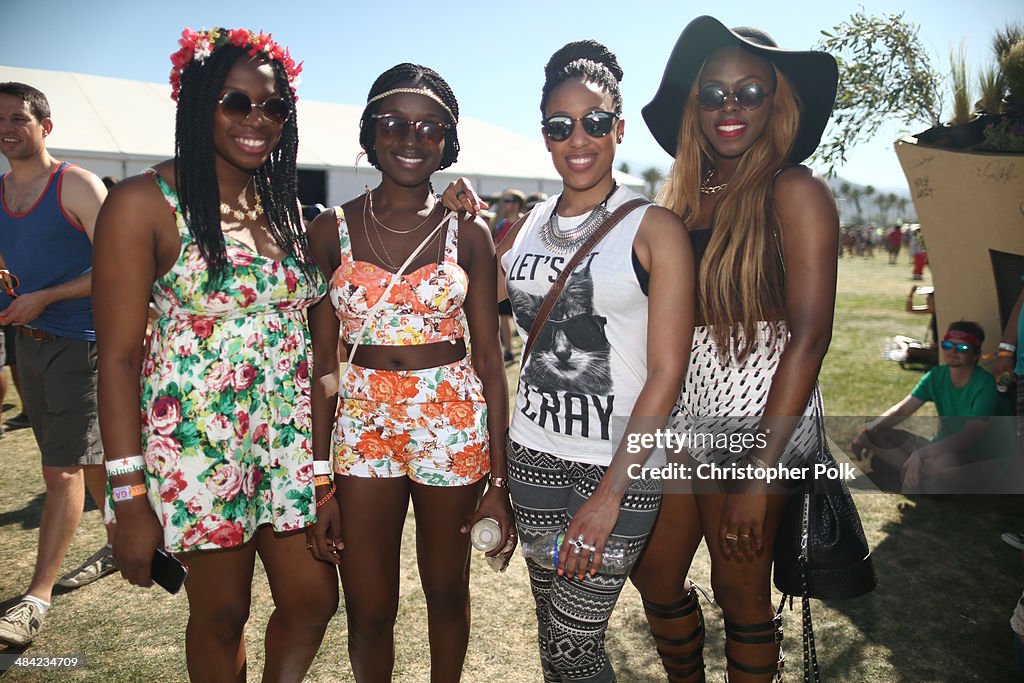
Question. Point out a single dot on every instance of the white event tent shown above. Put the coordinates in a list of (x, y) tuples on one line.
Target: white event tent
[(118, 127)]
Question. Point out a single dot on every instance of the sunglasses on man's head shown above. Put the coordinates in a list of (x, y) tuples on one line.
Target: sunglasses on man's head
[(237, 106), (961, 347), (596, 124), (712, 97), (392, 128)]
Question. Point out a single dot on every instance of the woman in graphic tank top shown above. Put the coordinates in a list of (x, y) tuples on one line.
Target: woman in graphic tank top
[(605, 367)]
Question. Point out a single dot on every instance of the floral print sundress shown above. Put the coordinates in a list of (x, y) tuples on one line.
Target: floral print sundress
[(226, 422)]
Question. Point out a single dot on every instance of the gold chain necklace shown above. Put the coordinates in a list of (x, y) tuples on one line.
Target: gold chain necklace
[(240, 214), (386, 259), (711, 189), (395, 231)]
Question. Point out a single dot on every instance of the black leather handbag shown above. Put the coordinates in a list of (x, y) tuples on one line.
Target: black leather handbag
[(820, 549)]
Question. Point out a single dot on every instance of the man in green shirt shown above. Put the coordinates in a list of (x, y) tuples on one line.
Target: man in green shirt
[(965, 397)]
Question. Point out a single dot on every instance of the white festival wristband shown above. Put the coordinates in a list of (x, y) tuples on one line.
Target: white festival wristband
[(130, 463), (321, 467)]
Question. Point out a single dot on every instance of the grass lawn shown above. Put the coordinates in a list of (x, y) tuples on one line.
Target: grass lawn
[(946, 588)]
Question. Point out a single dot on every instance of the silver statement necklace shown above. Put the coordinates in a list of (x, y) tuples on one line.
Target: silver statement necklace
[(568, 241)]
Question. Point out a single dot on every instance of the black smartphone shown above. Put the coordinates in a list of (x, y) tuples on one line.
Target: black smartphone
[(167, 571)]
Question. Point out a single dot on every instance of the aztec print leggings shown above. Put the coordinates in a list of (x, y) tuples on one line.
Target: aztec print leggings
[(572, 615)]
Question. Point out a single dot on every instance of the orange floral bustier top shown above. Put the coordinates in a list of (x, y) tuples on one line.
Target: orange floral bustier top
[(424, 306)]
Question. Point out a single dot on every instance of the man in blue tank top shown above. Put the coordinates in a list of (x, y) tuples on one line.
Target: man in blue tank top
[(47, 217)]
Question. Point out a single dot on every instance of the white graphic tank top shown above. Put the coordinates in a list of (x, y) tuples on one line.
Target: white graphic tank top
[(589, 361)]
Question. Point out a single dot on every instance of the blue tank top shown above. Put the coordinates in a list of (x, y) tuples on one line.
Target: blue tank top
[(45, 248)]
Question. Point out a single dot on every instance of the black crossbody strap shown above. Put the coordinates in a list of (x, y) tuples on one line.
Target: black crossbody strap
[(556, 289)]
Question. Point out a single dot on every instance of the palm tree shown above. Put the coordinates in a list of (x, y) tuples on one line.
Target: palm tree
[(855, 195), (624, 167), (903, 202), (652, 176), (843, 192), (885, 202)]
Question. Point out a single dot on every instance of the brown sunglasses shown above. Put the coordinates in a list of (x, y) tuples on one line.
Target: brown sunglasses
[(9, 282)]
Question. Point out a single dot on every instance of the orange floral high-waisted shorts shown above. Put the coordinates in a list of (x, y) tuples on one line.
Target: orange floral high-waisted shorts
[(429, 425)]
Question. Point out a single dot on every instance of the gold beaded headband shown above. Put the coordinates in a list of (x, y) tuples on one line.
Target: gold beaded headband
[(416, 91)]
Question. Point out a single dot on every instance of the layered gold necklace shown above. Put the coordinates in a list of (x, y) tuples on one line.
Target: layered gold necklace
[(711, 189), (396, 231), (370, 220)]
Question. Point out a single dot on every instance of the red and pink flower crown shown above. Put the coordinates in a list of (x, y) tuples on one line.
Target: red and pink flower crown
[(198, 45)]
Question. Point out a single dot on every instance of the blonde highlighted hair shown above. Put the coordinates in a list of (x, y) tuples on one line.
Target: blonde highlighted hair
[(741, 279)]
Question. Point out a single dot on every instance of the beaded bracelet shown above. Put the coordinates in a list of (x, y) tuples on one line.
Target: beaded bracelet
[(125, 465), (322, 480), (122, 493), (330, 494), (321, 467)]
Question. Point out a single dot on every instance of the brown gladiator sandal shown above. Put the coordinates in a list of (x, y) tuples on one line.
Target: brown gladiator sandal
[(757, 634), (678, 666)]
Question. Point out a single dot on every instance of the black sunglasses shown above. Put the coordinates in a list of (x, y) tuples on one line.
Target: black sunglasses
[(584, 332), (750, 96), (394, 128), (237, 106), (597, 124)]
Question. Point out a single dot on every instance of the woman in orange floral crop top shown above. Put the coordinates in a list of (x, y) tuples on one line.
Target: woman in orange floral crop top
[(420, 417)]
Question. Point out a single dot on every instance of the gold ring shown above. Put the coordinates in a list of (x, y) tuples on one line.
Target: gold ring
[(309, 546), (732, 537)]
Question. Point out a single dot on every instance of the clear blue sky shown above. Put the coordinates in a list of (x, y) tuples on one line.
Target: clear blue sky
[(491, 53)]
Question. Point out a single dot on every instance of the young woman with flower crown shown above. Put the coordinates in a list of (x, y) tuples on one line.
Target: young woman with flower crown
[(421, 416), (607, 363), (217, 466), (739, 114)]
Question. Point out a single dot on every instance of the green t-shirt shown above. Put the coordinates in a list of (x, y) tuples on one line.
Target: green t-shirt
[(957, 406)]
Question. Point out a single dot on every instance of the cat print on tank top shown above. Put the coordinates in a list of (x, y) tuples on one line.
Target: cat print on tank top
[(571, 351)]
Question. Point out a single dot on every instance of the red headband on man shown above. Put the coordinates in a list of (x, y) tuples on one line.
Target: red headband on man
[(960, 335)]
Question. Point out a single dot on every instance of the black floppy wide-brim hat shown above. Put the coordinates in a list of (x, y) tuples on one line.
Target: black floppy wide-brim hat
[(814, 76)]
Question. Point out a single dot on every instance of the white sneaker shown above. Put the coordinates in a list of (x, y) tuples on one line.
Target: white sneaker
[(98, 565), (21, 623)]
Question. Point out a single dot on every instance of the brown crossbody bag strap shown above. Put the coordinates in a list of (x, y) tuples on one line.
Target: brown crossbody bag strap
[(556, 289)]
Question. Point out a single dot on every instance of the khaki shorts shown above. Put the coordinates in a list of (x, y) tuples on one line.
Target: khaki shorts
[(57, 378)]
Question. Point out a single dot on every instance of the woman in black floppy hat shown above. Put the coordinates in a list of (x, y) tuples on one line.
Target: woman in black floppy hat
[(739, 114)]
